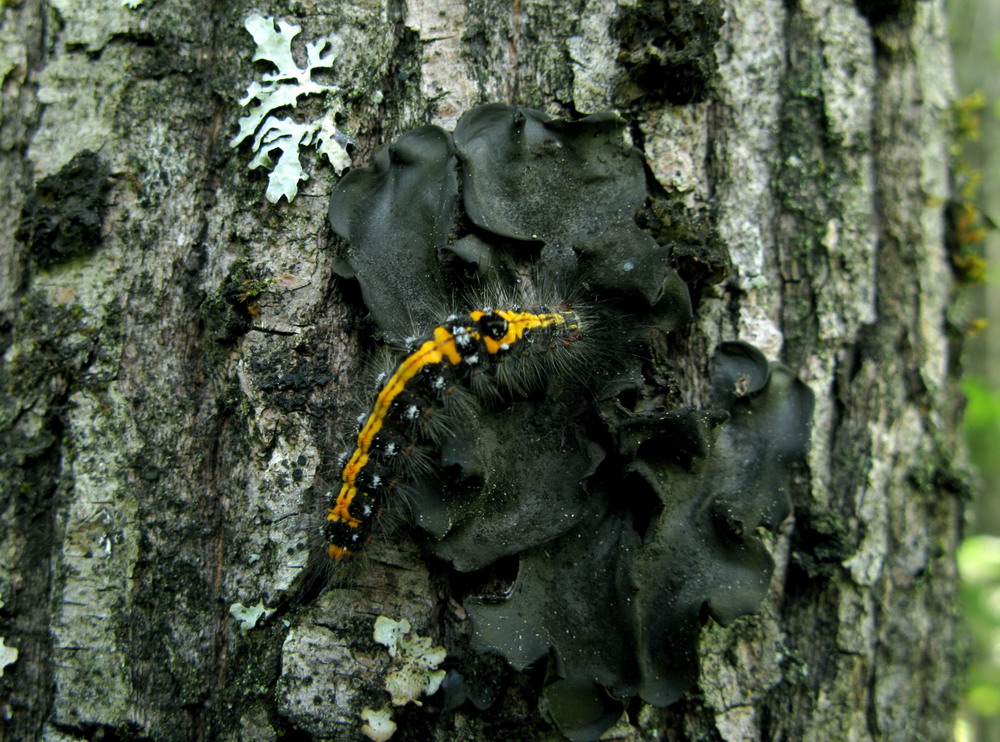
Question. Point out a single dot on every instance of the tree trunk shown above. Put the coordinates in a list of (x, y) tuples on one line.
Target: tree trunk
[(178, 355)]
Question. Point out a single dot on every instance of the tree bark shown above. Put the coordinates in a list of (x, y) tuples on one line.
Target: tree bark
[(174, 382)]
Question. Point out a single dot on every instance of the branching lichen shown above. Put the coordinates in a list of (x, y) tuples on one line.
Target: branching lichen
[(8, 655), (283, 89), (250, 616), (415, 661), (412, 673)]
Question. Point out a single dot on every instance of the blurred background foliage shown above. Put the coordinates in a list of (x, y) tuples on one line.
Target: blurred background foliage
[(975, 249)]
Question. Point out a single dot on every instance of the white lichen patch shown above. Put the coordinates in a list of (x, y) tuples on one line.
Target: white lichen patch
[(378, 725), (13, 55), (278, 140), (279, 472), (78, 106), (98, 556), (415, 661), (249, 616), (8, 655), (90, 24), (678, 150), (594, 54), (317, 690), (445, 79)]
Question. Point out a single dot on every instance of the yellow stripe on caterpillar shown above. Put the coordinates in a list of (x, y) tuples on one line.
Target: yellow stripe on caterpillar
[(462, 341)]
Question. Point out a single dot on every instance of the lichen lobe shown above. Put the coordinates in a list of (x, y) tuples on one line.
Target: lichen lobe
[(628, 524), (395, 214), (621, 609), (573, 185)]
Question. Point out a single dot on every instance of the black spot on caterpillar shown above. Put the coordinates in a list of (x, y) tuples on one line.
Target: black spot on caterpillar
[(453, 353)]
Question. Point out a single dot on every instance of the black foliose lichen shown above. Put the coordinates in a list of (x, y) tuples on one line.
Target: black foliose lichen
[(627, 518), (716, 476), (62, 217), (403, 205)]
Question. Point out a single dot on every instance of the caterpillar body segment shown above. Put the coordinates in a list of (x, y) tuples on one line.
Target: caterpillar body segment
[(454, 354)]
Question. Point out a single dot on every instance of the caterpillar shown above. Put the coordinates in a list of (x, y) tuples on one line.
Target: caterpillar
[(453, 353)]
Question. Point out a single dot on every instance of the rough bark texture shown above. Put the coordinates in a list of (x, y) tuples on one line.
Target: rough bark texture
[(172, 386)]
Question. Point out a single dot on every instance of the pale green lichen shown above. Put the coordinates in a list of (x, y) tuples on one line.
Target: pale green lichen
[(133, 4), (415, 661), (282, 89), (249, 616), (379, 725), (8, 655)]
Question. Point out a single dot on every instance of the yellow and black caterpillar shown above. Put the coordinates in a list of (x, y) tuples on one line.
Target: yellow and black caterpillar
[(453, 354)]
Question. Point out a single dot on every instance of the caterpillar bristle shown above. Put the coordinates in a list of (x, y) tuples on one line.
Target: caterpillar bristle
[(501, 349)]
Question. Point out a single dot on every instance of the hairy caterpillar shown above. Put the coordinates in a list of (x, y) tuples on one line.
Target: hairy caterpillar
[(454, 353)]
